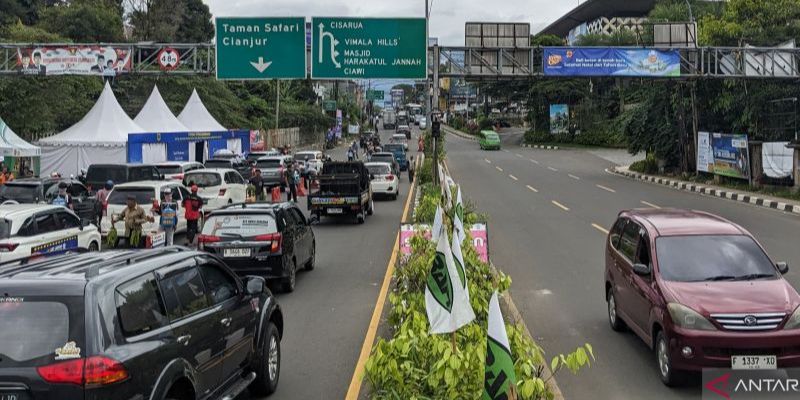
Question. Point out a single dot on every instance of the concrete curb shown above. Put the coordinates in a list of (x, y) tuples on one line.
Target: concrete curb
[(711, 191), (540, 147), (458, 133)]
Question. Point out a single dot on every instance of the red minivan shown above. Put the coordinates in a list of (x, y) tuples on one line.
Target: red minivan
[(701, 292)]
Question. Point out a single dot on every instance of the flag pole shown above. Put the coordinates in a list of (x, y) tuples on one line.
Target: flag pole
[(454, 342)]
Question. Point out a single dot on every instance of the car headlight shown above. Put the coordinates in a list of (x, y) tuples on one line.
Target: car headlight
[(794, 321), (687, 318)]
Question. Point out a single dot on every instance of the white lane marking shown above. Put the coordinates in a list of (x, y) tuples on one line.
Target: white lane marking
[(559, 205), (520, 155), (600, 228), (606, 189), (532, 189), (499, 169), (506, 151), (513, 177), (552, 169), (533, 161), (574, 177), (487, 160), (651, 205)]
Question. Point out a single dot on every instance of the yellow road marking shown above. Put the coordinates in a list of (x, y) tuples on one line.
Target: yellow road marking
[(532, 189), (651, 205), (552, 169), (487, 160), (513, 177), (600, 228), (499, 169), (358, 374), (561, 206), (606, 189), (574, 177)]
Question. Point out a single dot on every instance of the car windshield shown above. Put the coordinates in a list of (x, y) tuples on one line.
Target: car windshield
[(491, 136), (303, 156), (394, 148), (712, 258), (202, 179), (33, 330), (170, 169), (116, 173), (20, 193), (143, 195), (239, 225), (383, 158), (379, 169), (268, 164), (218, 164)]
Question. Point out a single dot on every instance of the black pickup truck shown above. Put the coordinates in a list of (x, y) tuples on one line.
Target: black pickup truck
[(344, 189)]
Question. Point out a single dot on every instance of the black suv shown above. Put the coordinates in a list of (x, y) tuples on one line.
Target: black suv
[(264, 239), (166, 323), (43, 190), (99, 174)]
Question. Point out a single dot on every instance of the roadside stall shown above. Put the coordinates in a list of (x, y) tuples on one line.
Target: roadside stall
[(22, 158), (156, 116)]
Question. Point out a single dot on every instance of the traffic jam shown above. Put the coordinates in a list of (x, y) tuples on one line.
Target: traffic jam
[(160, 276)]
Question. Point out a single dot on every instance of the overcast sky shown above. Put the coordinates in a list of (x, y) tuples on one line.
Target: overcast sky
[(447, 16)]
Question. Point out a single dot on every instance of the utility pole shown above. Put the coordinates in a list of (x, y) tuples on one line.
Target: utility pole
[(278, 103)]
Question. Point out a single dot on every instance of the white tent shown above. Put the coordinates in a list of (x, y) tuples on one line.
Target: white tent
[(12, 145), (196, 117), (156, 116), (100, 137)]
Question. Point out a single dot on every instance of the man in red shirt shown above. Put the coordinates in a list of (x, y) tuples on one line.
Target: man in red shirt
[(193, 204)]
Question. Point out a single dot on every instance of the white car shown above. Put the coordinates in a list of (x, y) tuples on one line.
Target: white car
[(38, 229), (175, 170), (423, 123), (399, 138), (145, 193), (315, 159), (384, 182), (218, 187)]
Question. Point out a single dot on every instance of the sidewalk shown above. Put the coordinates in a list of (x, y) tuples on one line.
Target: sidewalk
[(756, 199)]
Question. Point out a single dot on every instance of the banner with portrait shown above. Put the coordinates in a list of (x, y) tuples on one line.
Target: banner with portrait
[(74, 60)]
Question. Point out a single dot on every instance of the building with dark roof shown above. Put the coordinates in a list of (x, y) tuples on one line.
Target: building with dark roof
[(601, 17)]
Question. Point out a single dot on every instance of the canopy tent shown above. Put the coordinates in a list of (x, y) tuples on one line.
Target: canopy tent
[(196, 117), (100, 137), (155, 116), (18, 155)]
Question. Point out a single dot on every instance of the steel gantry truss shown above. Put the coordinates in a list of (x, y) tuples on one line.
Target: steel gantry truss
[(471, 62)]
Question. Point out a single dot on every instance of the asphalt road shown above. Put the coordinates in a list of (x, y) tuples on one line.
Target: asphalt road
[(546, 213), (327, 315)]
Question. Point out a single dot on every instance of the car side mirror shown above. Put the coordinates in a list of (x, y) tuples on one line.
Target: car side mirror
[(642, 270), (255, 285), (783, 267)]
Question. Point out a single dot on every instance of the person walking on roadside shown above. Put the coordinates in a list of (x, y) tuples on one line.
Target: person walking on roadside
[(168, 212), (134, 217), (292, 179), (193, 205), (62, 197), (258, 182), (350, 156), (101, 201), (411, 170)]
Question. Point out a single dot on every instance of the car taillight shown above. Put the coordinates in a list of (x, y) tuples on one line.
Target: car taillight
[(390, 177), (275, 238), (8, 247), (222, 192), (92, 371), (208, 239)]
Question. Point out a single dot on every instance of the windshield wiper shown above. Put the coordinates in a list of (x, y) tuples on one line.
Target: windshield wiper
[(751, 277), (718, 278), (232, 235)]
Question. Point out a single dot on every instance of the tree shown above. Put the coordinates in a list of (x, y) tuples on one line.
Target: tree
[(19, 33), (195, 26), (84, 21), (155, 20), (754, 22), (547, 40)]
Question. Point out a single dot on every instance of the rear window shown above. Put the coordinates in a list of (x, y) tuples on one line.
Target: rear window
[(240, 226), (170, 169), (120, 195), (218, 164), (268, 164), (303, 156), (20, 193), (395, 148), (708, 258), (379, 169), (34, 329), (388, 159), (203, 179), (116, 173)]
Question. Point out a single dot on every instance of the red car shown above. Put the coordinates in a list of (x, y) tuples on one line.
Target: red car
[(701, 292)]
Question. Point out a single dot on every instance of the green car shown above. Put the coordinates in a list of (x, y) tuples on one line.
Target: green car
[(489, 140)]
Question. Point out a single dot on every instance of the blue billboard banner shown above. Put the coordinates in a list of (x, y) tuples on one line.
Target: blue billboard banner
[(731, 157), (177, 143), (592, 61)]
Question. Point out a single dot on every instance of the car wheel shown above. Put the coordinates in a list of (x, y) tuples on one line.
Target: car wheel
[(371, 209), (94, 246), (289, 281), (360, 218), (668, 375), (394, 197), (269, 369), (312, 259), (613, 317)]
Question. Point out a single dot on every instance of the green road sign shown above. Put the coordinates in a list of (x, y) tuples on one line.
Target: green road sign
[(374, 95), (375, 48), (329, 105), (261, 48)]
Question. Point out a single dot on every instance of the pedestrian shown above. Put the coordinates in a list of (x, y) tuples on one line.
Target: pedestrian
[(101, 200), (62, 197), (420, 144), (193, 204), (6, 175), (134, 217), (411, 170), (168, 212), (292, 179), (258, 182), (350, 154)]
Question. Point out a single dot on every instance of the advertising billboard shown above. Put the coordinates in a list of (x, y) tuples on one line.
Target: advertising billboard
[(559, 119), (731, 157), (583, 61), (705, 154), (74, 60)]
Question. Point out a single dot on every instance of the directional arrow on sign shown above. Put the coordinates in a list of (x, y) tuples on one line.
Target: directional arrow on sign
[(261, 66)]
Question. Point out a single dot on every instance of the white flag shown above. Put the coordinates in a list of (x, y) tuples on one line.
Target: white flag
[(499, 369), (437, 224), (458, 217), (458, 258), (446, 301)]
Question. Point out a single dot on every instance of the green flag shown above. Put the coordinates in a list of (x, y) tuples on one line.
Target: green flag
[(499, 375), (446, 302)]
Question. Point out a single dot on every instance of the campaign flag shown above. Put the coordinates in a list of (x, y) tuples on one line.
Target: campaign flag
[(446, 301), (458, 216), (458, 258), (438, 221), (499, 375)]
